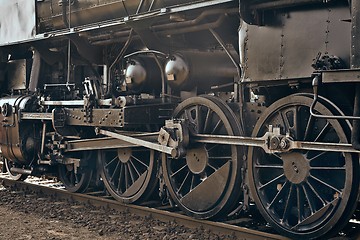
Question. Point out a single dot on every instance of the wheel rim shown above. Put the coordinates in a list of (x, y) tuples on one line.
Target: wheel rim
[(75, 182), (302, 193), (15, 176), (79, 181), (129, 174), (206, 182)]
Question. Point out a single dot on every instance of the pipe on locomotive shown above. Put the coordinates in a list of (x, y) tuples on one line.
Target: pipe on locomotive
[(35, 71)]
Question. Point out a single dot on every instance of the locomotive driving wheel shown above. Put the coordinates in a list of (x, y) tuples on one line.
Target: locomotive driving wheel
[(129, 174), (76, 180), (206, 182), (304, 194)]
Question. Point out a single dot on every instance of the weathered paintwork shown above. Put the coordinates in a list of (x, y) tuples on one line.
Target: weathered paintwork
[(286, 46)]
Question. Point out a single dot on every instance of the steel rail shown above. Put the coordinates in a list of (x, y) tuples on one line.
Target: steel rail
[(162, 215)]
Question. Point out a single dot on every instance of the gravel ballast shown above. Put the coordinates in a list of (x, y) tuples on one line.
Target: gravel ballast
[(31, 216)]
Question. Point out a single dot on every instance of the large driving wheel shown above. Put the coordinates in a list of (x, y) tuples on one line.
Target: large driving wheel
[(304, 194), (79, 180), (206, 183), (129, 174)]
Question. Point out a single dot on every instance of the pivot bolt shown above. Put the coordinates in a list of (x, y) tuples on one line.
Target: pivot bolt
[(284, 143), (274, 143)]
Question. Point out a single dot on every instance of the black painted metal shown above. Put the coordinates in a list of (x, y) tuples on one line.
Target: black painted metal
[(77, 178), (206, 166), (303, 194), (355, 34), (126, 50), (129, 174), (293, 42)]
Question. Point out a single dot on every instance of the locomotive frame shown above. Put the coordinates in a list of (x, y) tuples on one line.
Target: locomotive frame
[(210, 105)]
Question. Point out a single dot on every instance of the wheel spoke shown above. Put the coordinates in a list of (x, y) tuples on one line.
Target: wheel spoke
[(178, 171), (183, 182), (212, 167), (313, 196), (205, 166), (278, 194), (126, 177), (277, 155), (323, 131), (212, 147), (121, 177), (133, 165), (327, 168), (131, 173), (309, 200), (217, 127), (316, 193), (115, 170), (220, 158), (111, 161), (139, 161), (133, 177), (326, 184), (308, 128), (317, 156), (287, 203), (300, 204), (206, 122), (192, 182), (271, 182)]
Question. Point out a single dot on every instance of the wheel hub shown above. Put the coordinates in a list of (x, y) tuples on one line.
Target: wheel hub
[(124, 154), (69, 167), (197, 159), (296, 167)]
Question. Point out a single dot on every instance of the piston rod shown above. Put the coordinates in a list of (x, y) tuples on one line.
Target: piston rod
[(157, 147)]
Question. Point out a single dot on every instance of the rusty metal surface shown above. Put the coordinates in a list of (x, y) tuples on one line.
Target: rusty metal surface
[(17, 20)]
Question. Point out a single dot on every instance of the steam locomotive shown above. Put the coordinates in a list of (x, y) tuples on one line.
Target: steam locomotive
[(212, 104)]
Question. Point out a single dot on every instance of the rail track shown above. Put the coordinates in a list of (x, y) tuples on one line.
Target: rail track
[(53, 188)]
